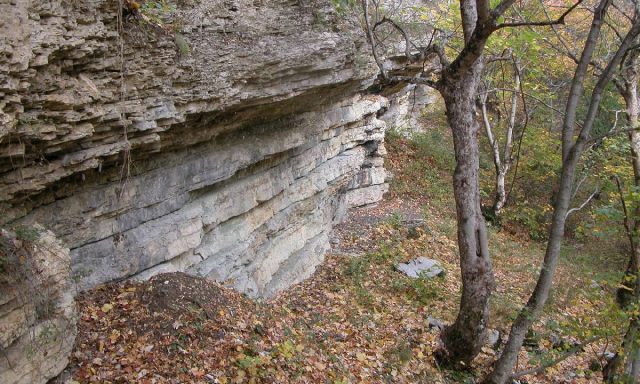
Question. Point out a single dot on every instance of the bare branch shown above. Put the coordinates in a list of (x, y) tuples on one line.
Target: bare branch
[(558, 36), (611, 133), (559, 20), (532, 97), (482, 100), (584, 203), (365, 10), (603, 79), (578, 185), (622, 12), (577, 85), (483, 10), (407, 42), (501, 8), (525, 109)]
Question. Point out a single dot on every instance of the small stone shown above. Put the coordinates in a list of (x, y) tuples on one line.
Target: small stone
[(421, 266), (435, 323), (492, 338)]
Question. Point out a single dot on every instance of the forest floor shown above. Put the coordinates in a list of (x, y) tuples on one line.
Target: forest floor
[(357, 319)]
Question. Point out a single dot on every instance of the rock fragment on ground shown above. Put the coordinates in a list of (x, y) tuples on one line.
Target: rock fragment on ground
[(421, 267), (435, 323)]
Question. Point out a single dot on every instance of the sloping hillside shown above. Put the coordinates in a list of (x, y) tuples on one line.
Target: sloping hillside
[(356, 320)]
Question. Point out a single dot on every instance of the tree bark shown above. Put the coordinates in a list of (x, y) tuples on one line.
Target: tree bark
[(627, 366), (464, 338)]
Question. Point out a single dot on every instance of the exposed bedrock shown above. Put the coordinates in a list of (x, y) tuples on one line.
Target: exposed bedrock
[(37, 309), (225, 138), (406, 105)]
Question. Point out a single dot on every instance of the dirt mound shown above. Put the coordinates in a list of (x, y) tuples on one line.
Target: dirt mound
[(174, 294)]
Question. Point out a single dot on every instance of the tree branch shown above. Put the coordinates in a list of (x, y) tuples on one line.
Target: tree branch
[(584, 204), (604, 79), (365, 10), (530, 96), (501, 8), (559, 20), (577, 85), (407, 42)]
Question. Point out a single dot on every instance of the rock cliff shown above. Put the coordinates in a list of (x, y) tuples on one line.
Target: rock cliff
[(221, 138), (37, 309)]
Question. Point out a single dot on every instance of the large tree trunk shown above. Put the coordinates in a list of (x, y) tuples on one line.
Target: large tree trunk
[(464, 338)]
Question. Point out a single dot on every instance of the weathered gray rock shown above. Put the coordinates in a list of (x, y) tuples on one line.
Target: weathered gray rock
[(226, 148), (37, 308), (406, 106), (421, 267), (493, 338), (438, 324)]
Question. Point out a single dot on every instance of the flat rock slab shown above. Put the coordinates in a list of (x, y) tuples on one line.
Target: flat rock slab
[(421, 266)]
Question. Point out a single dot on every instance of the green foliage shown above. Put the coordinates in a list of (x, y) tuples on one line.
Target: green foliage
[(425, 290), (358, 266), (158, 12), (395, 220), (183, 45), (26, 233), (433, 144)]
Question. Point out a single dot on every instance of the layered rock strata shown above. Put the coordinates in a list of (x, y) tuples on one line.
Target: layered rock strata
[(406, 106), (37, 309), (221, 138)]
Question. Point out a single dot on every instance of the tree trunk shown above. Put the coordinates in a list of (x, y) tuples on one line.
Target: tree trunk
[(501, 195), (502, 370), (627, 367), (500, 168), (464, 338), (503, 163)]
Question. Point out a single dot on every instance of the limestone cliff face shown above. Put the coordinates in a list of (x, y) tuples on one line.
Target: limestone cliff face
[(223, 139), (37, 309)]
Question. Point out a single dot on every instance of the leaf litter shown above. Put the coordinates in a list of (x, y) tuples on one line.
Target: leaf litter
[(356, 320)]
